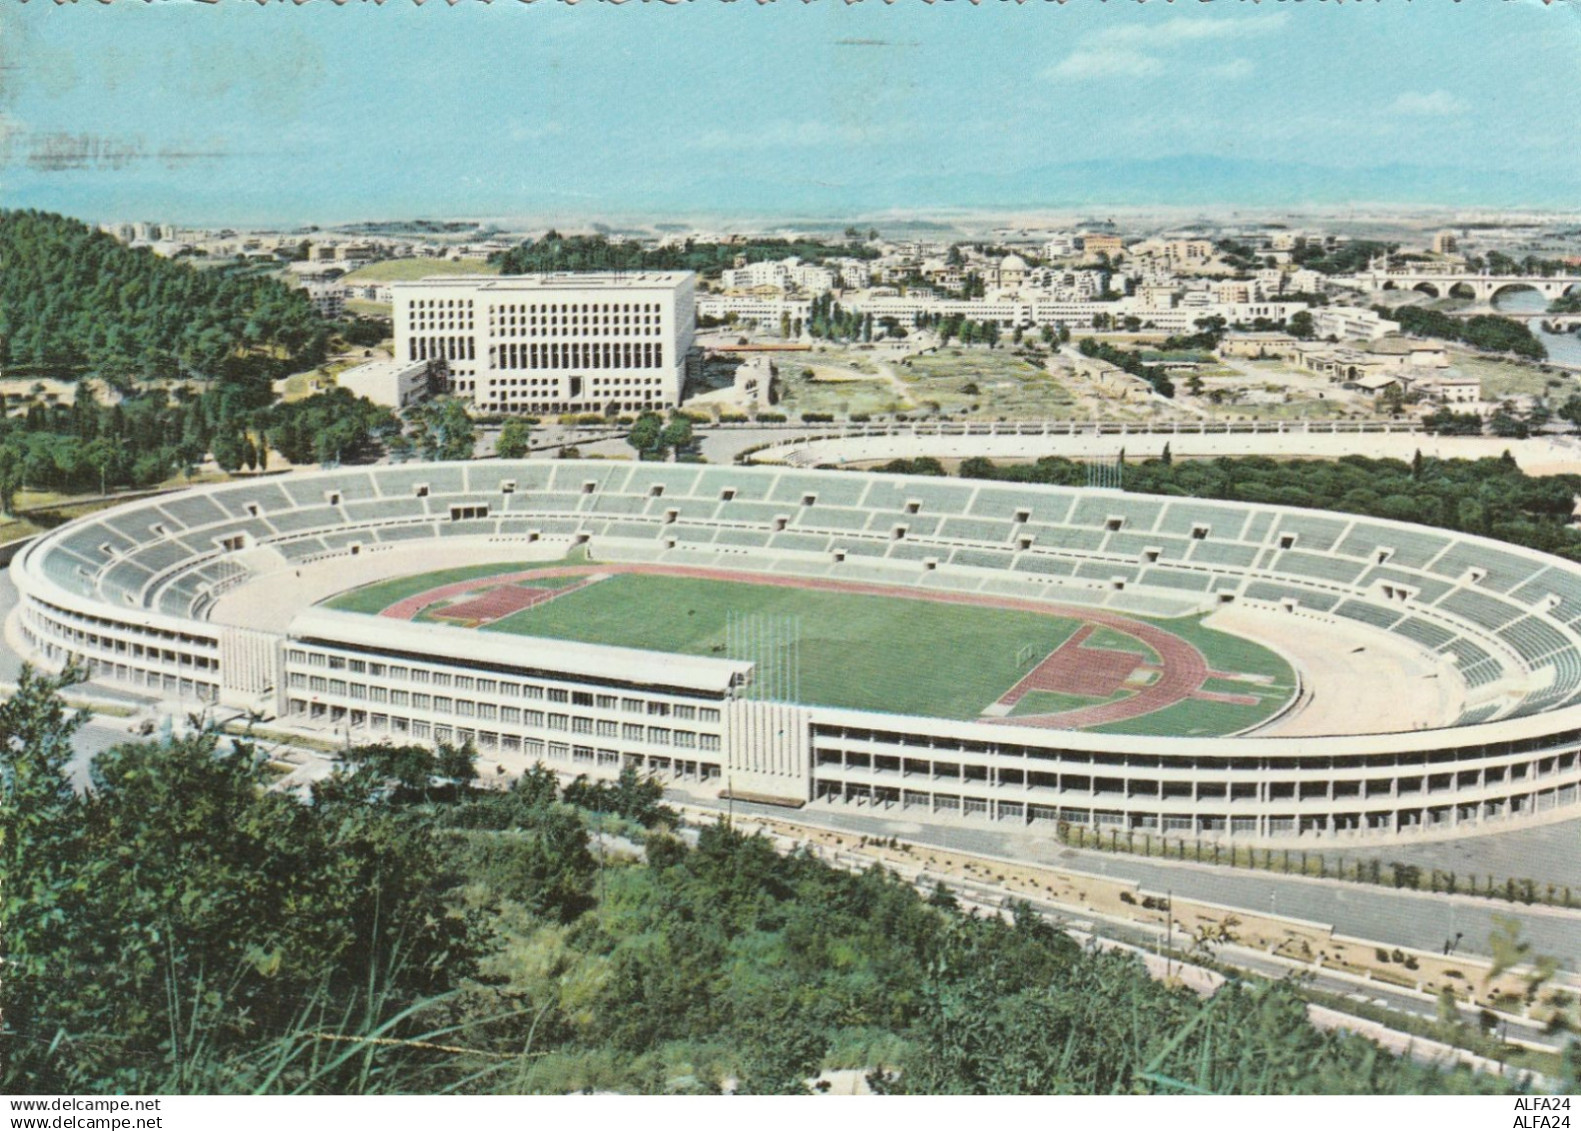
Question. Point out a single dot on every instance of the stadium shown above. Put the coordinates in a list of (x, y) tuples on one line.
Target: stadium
[(943, 649)]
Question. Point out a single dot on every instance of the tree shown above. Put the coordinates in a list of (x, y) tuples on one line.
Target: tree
[(10, 477), (229, 452), (645, 435), (778, 1044), (677, 434), (1301, 325), (442, 429), (40, 857), (514, 440)]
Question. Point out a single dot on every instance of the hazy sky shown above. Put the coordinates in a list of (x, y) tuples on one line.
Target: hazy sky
[(235, 112)]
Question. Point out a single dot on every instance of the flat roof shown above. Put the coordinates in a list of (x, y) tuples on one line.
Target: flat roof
[(563, 280), (382, 368), (463, 646)]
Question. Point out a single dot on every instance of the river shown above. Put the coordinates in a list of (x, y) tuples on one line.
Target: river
[(1564, 348)]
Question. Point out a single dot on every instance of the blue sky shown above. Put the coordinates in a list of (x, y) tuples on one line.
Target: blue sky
[(240, 113)]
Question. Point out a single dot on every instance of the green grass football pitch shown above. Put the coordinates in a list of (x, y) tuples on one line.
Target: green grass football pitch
[(856, 650), (862, 651)]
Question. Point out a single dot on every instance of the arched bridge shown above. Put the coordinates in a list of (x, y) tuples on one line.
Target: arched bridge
[(1482, 287)]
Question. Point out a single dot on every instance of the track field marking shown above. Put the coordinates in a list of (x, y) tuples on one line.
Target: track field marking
[(1182, 667)]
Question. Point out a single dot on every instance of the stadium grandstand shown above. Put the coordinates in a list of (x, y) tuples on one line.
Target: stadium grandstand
[(1437, 686)]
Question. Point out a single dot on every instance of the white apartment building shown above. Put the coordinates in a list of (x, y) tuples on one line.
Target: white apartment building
[(855, 274), (781, 274), (764, 310), (1060, 245), (553, 343), (1344, 322), (329, 299)]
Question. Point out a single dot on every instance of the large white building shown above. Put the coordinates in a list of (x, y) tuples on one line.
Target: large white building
[(553, 343)]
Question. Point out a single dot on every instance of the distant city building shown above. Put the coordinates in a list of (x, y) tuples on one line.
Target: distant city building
[(765, 311), (1347, 322), (1093, 245), (1263, 344), (553, 343), (1444, 243), (329, 299), (1059, 246), (1009, 273)]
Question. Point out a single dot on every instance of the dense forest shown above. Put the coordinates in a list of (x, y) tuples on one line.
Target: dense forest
[(153, 435), (74, 300), (1490, 497), (554, 252), (1484, 331), (180, 927)]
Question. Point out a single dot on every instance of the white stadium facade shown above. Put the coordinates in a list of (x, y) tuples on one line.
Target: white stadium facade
[(211, 595)]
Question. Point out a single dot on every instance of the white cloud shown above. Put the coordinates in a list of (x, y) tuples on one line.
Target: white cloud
[(1105, 63), (1238, 68), (1140, 49), (1437, 103), (1191, 29)]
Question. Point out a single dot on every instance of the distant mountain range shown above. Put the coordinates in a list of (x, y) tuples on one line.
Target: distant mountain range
[(1220, 182)]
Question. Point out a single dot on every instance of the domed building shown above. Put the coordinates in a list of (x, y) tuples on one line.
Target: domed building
[(1010, 273)]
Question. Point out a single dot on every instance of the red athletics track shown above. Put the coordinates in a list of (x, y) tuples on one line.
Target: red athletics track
[(1184, 668), (502, 601)]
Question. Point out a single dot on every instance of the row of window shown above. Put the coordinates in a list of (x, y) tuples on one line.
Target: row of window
[(486, 685), (64, 630), (576, 308), (577, 355), (639, 330), (439, 732), (459, 348), (421, 324)]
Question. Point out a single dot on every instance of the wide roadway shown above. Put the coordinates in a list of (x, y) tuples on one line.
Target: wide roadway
[(1401, 918)]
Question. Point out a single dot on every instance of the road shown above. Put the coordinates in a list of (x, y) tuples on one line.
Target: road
[(1399, 918), (1151, 938)]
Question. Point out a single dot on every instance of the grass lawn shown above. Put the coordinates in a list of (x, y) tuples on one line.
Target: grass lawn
[(1504, 378), (1115, 641), (383, 594), (1053, 702), (1191, 717), (1232, 654), (860, 651), (404, 270)]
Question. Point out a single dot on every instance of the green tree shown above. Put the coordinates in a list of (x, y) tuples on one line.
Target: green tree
[(646, 435), (514, 440), (677, 434)]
